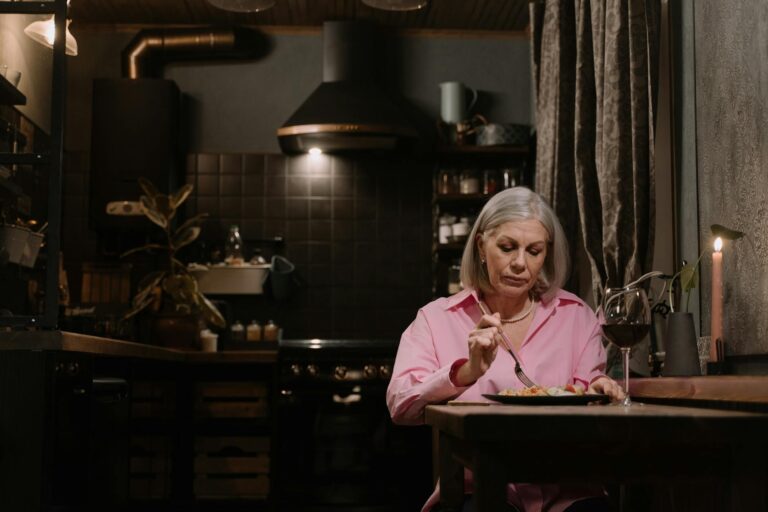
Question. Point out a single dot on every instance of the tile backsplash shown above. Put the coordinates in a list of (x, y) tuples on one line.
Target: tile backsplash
[(358, 231)]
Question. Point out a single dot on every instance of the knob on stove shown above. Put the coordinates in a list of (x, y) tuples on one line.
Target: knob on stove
[(340, 372), (295, 370), (370, 371), (312, 370), (385, 371)]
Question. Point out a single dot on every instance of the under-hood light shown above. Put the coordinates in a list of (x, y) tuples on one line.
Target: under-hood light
[(315, 151)]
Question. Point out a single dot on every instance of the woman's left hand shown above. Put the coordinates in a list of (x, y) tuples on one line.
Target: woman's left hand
[(606, 386)]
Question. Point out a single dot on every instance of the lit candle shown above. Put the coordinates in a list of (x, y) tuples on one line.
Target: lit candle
[(716, 332)]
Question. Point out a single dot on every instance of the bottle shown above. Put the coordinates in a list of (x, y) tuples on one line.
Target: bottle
[(237, 331), (253, 331), (490, 183), (271, 331), (233, 248)]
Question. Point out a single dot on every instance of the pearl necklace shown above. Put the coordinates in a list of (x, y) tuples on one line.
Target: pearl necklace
[(521, 316)]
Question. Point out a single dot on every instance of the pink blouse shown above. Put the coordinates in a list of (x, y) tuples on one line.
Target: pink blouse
[(562, 346)]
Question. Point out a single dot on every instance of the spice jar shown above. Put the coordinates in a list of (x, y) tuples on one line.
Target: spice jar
[(460, 229), (271, 331), (469, 184), (446, 231), (454, 278), (253, 331), (237, 331), (510, 177), (447, 182)]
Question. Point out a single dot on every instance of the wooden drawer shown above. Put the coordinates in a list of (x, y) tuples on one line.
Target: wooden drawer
[(231, 400), (234, 467), (153, 399), (254, 487), (150, 467)]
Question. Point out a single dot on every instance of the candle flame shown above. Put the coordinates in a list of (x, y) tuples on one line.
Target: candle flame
[(718, 244)]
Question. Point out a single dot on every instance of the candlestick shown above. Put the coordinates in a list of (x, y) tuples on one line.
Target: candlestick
[(716, 330)]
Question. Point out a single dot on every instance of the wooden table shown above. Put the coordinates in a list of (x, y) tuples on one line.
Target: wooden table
[(599, 444)]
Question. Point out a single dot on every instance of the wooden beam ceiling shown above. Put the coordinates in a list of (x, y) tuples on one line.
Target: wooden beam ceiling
[(465, 15)]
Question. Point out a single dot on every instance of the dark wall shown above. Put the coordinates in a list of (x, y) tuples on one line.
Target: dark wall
[(358, 229)]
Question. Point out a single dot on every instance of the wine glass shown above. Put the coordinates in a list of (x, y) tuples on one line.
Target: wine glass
[(626, 321)]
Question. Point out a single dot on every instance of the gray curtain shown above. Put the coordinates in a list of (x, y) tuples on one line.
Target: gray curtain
[(595, 67)]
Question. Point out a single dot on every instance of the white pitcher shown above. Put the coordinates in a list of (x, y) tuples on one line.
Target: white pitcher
[(453, 101)]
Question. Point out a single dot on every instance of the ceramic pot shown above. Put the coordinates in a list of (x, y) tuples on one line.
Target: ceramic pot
[(681, 352)]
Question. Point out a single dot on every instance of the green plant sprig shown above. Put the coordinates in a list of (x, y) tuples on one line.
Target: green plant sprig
[(688, 275)]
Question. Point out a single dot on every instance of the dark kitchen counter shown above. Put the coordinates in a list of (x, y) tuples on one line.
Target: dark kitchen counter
[(83, 343)]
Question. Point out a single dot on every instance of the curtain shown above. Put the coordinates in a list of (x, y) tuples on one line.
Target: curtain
[(595, 69)]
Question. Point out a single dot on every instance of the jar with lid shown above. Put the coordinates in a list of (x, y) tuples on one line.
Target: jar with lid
[(460, 230), (237, 331), (445, 231), (271, 331), (253, 331), (447, 182), (468, 183)]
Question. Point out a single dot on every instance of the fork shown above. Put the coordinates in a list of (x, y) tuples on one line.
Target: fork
[(508, 345)]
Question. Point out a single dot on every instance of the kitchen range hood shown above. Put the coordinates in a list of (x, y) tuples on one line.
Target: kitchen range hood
[(348, 111)]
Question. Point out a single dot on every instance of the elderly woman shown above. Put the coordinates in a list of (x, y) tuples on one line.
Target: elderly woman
[(515, 261)]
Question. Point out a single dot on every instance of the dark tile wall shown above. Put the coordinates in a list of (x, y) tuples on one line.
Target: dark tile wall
[(358, 231)]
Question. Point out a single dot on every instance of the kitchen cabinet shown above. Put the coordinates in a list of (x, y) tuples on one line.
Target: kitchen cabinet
[(465, 177), (92, 423), (20, 171)]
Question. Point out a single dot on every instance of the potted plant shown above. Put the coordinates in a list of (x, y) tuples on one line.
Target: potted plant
[(171, 294)]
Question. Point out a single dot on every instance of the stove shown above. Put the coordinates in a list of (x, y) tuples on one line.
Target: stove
[(336, 446)]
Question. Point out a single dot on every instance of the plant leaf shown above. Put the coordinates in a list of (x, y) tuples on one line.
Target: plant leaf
[(211, 313), (164, 206), (138, 307), (181, 287), (194, 221), (149, 208), (149, 282), (185, 237), (689, 276), (143, 248), (148, 187), (724, 232), (181, 195)]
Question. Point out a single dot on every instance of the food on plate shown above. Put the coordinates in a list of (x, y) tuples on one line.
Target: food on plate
[(567, 390)]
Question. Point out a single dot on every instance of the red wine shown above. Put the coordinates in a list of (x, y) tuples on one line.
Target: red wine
[(625, 335)]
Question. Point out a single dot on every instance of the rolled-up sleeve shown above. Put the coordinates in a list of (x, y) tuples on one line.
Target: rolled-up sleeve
[(592, 358), (418, 379)]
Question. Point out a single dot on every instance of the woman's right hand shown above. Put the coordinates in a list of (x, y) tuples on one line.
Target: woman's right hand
[(483, 343)]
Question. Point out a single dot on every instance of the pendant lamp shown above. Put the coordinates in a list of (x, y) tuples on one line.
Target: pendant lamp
[(44, 32), (242, 5), (396, 5)]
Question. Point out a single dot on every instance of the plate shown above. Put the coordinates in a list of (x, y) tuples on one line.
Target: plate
[(549, 400)]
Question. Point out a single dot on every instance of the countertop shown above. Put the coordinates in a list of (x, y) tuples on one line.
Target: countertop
[(74, 342), (714, 389)]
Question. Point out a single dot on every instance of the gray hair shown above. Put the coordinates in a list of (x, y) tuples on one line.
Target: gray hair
[(517, 204)]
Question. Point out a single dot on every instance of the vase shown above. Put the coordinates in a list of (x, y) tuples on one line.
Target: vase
[(681, 352), (172, 330)]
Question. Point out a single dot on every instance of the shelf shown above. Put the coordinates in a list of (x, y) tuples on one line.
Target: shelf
[(10, 95), (7, 7), (451, 247), (461, 198), (24, 159), (483, 150)]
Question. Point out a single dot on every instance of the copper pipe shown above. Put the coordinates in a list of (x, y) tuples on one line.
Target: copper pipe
[(152, 48)]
